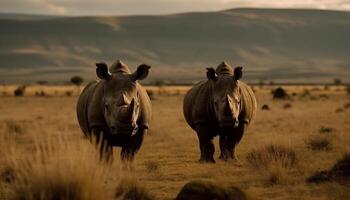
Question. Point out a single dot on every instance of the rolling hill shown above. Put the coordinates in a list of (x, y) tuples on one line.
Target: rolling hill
[(283, 45)]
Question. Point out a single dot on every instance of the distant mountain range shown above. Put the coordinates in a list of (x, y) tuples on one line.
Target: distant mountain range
[(284, 45)]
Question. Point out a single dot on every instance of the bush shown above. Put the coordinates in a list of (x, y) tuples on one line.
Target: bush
[(12, 127), (265, 107), (287, 105), (280, 93), (196, 190), (325, 129), (40, 94), (347, 105), (129, 190), (77, 80), (20, 91), (152, 166), (69, 93), (318, 143)]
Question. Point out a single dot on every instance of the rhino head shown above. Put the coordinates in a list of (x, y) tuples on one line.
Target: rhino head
[(121, 101), (226, 96)]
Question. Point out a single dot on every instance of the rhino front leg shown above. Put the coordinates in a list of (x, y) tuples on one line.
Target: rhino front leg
[(101, 141), (225, 153), (234, 139), (128, 151), (206, 144)]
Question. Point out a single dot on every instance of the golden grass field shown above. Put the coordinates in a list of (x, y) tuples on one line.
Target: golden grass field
[(42, 147)]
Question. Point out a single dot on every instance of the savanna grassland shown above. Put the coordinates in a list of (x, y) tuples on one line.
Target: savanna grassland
[(43, 152)]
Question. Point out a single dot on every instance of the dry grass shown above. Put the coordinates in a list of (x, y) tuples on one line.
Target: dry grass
[(58, 169), (274, 162), (169, 155), (272, 155)]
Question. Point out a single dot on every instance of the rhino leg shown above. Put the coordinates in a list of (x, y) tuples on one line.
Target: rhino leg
[(225, 153), (206, 144), (128, 151), (101, 142), (231, 142)]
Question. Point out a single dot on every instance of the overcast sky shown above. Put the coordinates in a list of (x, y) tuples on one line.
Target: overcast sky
[(127, 7)]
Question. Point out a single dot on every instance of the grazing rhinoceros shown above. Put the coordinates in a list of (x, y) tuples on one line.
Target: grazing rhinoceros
[(222, 106), (115, 110)]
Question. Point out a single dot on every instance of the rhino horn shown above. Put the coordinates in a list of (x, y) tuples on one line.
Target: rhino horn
[(131, 107), (228, 109)]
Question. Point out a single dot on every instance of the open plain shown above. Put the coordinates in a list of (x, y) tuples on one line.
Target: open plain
[(42, 144)]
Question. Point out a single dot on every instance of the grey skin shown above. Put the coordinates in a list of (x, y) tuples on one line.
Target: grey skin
[(116, 110), (222, 105)]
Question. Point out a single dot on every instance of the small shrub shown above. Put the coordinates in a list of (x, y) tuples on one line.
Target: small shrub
[(339, 110), (20, 91), (326, 87), (265, 107), (324, 129), (77, 80), (306, 93), (337, 81), (318, 143), (280, 93), (152, 166), (347, 105), (7, 175), (287, 105), (69, 93), (129, 190), (324, 96), (13, 127), (271, 155), (40, 94), (196, 190)]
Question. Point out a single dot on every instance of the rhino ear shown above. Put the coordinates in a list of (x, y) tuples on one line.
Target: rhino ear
[(141, 72), (102, 71), (238, 73), (211, 74)]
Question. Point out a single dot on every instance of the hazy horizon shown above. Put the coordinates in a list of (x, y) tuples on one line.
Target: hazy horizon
[(156, 7)]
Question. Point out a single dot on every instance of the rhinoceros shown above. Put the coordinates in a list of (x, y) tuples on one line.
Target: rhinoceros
[(116, 110), (222, 105)]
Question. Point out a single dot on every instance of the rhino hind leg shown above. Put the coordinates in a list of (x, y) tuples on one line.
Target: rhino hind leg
[(206, 145)]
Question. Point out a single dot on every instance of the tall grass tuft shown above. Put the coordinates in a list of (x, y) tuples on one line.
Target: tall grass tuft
[(272, 155), (273, 161), (58, 168)]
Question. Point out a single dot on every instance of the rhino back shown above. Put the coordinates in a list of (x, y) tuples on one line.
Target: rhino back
[(83, 105), (249, 104), (145, 106), (196, 106)]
